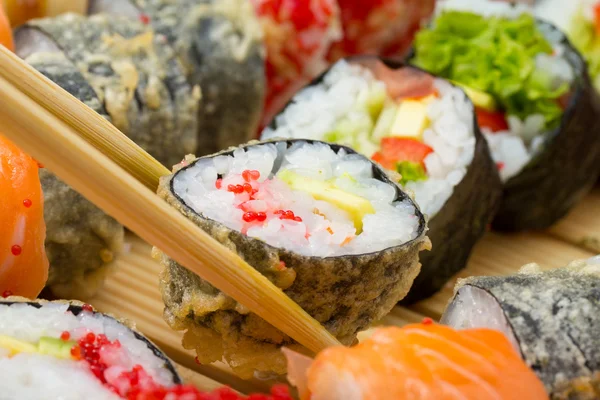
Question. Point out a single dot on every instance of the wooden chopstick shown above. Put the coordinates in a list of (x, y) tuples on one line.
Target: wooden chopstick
[(57, 145), (86, 122)]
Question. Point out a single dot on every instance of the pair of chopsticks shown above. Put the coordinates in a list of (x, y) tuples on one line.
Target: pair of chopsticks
[(97, 160)]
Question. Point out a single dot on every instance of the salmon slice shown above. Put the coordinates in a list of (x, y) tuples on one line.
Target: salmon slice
[(23, 262), (401, 83), (418, 362), (6, 38)]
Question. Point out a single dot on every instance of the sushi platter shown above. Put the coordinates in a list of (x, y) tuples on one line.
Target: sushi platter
[(574, 237), (299, 199)]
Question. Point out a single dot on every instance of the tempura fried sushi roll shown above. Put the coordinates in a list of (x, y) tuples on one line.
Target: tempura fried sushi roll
[(61, 350), (323, 223), (416, 125), (534, 103), (551, 317), (82, 242), (136, 77), (220, 45), (115, 67)]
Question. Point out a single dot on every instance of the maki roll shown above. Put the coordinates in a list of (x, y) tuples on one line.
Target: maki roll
[(419, 362), (550, 317), (415, 125), (120, 70), (220, 45), (533, 99), (60, 350), (323, 223), (379, 27)]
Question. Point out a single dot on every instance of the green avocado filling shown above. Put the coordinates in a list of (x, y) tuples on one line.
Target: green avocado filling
[(50, 346), (493, 55), (411, 171)]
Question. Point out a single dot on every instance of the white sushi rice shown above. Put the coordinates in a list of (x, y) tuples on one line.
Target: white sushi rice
[(514, 148), (39, 377), (30, 374), (392, 224), (316, 110)]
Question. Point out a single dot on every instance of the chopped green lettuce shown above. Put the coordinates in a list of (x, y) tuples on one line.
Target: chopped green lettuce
[(494, 55), (411, 171)]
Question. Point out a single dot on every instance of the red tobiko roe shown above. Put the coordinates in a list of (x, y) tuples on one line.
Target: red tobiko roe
[(250, 175), (16, 250), (87, 307), (143, 387)]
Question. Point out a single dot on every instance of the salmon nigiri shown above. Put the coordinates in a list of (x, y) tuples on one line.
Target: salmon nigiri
[(23, 262), (418, 362)]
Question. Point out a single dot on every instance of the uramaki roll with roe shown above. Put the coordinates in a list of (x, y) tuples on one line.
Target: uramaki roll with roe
[(323, 223)]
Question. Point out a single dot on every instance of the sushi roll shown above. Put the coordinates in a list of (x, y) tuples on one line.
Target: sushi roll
[(550, 317), (297, 36), (323, 223), (119, 69), (61, 350), (418, 126), (534, 103), (379, 27), (419, 362), (138, 79), (220, 45), (23, 261)]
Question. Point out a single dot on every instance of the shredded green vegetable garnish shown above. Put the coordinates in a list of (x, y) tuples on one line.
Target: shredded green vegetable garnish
[(494, 55)]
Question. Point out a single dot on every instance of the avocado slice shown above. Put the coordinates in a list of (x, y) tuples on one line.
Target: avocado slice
[(354, 205), (55, 347), (16, 346), (480, 99)]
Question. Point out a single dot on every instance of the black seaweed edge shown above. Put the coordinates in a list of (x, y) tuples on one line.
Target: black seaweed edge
[(378, 173), (76, 310)]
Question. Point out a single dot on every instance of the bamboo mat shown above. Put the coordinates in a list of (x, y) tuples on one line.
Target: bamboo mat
[(132, 291)]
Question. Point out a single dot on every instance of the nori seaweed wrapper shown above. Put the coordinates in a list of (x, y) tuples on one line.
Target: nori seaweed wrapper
[(566, 167), (76, 307), (461, 222), (555, 318), (220, 44), (344, 293)]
